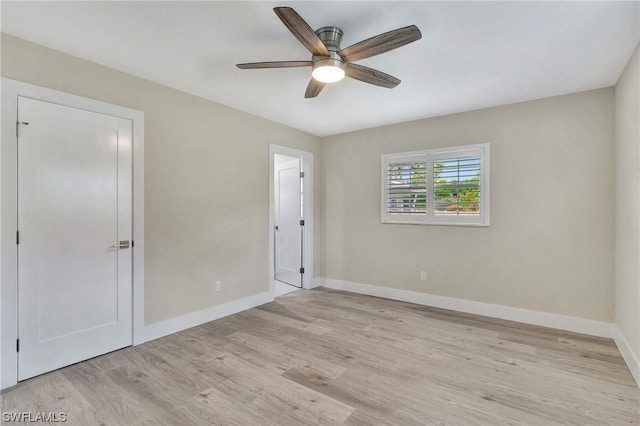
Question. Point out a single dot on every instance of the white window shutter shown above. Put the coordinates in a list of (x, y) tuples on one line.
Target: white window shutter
[(404, 187), (448, 186)]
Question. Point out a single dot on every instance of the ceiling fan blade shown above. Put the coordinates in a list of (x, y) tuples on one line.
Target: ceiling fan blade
[(371, 76), (274, 64), (381, 43), (301, 30), (314, 88)]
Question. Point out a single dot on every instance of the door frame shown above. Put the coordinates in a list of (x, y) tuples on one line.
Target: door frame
[(11, 89), (308, 194)]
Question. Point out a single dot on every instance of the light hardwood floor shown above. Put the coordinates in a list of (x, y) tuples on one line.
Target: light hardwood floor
[(330, 357)]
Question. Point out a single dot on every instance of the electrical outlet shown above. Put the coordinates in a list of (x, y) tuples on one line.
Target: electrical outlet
[(423, 275), (218, 286)]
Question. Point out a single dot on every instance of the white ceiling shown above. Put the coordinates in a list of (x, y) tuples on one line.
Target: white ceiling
[(472, 54)]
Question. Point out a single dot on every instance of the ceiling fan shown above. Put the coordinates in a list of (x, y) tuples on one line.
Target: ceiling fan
[(330, 63)]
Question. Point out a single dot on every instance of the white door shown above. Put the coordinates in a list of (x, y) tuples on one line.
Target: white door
[(288, 228), (74, 206)]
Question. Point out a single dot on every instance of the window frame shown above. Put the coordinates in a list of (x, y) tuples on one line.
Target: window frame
[(430, 156)]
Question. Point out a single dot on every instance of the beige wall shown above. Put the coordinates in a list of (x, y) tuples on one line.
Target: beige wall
[(549, 247), (550, 244), (627, 227), (206, 180)]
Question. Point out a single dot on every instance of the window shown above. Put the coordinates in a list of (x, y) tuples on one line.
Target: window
[(448, 186)]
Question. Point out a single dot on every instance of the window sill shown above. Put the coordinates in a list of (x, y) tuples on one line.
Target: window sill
[(403, 222)]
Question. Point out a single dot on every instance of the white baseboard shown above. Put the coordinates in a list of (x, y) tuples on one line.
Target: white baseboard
[(317, 282), (173, 325), (629, 357), (545, 319)]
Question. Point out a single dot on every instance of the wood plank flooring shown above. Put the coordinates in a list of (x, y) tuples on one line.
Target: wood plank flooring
[(325, 357)]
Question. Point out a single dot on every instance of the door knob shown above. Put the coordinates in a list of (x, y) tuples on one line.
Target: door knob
[(122, 245)]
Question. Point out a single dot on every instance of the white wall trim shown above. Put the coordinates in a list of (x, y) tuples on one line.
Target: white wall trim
[(138, 228), (318, 282), (545, 319), (629, 357), (11, 89), (174, 325), (308, 248)]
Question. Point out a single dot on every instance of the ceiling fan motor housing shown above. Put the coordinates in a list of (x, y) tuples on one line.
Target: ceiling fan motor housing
[(331, 37)]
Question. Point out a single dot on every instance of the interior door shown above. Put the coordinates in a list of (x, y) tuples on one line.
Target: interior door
[(288, 230), (74, 222)]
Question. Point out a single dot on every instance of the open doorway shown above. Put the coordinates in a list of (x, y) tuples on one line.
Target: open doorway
[(290, 221), (288, 191)]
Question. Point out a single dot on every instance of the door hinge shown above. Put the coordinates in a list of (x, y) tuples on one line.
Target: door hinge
[(302, 270), (17, 345), (18, 123), (301, 222), (301, 174), (17, 237), (131, 243)]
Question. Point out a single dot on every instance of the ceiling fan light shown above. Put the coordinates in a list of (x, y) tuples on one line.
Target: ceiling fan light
[(328, 70), (328, 73)]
